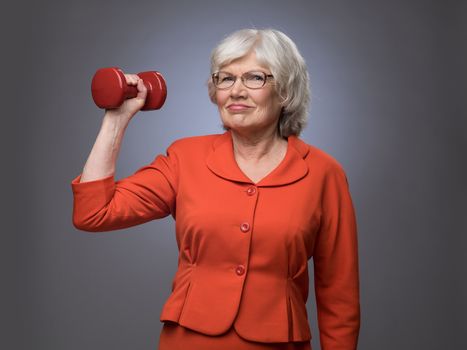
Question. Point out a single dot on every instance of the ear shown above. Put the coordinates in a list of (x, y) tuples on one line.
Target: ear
[(211, 92)]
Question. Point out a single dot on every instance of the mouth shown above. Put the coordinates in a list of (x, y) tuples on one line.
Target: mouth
[(238, 107)]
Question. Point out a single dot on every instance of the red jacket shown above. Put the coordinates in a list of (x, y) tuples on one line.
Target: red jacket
[(244, 247)]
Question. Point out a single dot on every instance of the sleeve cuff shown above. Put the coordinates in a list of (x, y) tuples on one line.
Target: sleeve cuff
[(107, 184)]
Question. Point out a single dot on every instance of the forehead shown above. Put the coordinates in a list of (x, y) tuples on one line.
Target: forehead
[(245, 64)]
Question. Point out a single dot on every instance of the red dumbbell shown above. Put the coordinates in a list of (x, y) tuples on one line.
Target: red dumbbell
[(109, 88)]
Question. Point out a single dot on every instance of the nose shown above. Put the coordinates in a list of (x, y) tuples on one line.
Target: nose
[(238, 89)]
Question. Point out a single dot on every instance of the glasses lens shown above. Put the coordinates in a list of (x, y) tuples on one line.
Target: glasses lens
[(254, 80), (223, 80)]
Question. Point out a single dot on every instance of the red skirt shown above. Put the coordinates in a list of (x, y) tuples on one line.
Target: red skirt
[(176, 337)]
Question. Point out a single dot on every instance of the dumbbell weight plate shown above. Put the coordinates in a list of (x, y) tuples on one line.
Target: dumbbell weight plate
[(109, 87), (157, 90)]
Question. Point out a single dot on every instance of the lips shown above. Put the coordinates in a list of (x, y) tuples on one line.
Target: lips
[(238, 107)]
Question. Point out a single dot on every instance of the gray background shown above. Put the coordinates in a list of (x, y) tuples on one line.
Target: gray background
[(388, 84)]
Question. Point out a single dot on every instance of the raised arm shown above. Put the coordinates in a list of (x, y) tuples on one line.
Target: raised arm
[(103, 157), (103, 204)]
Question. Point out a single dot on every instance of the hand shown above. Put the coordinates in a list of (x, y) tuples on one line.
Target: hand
[(131, 106)]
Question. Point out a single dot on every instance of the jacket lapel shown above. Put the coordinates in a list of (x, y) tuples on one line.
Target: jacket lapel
[(221, 161)]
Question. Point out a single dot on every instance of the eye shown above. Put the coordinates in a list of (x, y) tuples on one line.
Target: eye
[(226, 78), (255, 76)]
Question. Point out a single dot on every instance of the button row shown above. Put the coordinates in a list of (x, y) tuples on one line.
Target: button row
[(245, 227)]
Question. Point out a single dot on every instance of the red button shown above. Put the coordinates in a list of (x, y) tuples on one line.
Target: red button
[(245, 227), (240, 270), (251, 191)]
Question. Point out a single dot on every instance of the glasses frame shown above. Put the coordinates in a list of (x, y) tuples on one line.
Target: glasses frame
[(242, 78)]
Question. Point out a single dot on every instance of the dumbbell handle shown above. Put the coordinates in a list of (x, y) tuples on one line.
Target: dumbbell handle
[(109, 88)]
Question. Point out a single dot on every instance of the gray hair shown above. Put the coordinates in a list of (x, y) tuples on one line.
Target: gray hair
[(280, 54)]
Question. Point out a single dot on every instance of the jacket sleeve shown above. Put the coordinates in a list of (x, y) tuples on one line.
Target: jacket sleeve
[(106, 204), (335, 262)]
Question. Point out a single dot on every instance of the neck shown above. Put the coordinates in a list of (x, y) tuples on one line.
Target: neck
[(254, 147)]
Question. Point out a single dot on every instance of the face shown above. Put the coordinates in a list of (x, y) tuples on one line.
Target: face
[(247, 110)]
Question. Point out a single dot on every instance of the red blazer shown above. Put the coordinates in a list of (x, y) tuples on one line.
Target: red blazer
[(244, 247)]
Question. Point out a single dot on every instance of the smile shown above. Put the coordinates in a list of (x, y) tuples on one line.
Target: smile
[(238, 107)]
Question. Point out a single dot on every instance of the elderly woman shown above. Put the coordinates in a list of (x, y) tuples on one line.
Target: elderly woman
[(252, 205)]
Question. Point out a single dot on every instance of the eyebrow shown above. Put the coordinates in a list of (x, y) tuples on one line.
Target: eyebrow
[(264, 70)]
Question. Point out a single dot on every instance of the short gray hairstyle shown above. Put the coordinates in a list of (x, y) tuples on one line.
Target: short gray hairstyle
[(279, 53)]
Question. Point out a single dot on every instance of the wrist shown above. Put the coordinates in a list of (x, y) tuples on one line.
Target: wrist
[(116, 121)]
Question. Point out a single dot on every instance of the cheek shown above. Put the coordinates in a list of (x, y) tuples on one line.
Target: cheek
[(220, 98), (269, 103)]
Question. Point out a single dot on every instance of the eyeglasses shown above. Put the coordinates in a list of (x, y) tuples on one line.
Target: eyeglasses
[(252, 80)]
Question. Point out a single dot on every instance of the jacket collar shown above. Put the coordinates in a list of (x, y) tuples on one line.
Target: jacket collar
[(221, 161)]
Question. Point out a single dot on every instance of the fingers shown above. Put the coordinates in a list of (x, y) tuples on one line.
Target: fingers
[(142, 91), (133, 79)]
